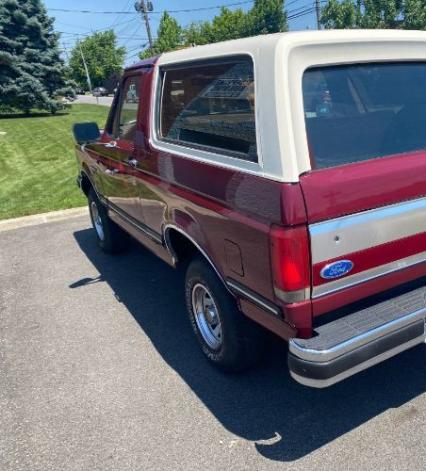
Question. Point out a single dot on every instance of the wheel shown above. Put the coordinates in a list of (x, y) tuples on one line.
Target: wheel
[(111, 238), (229, 340)]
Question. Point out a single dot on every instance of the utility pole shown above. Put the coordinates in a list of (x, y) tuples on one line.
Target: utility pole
[(143, 8), (89, 82), (318, 12)]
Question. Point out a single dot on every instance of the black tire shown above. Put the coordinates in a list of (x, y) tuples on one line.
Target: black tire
[(111, 238), (242, 341)]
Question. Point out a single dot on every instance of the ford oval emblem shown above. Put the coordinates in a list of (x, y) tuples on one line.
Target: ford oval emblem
[(336, 269)]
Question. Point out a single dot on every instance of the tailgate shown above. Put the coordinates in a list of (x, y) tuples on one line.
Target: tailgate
[(366, 221), (365, 200)]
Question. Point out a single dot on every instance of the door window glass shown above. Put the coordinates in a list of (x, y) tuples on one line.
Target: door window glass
[(126, 121)]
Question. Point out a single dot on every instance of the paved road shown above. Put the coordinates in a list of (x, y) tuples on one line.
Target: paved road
[(99, 371), (92, 100)]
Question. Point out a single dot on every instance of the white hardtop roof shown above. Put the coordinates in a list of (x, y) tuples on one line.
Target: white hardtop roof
[(292, 40), (280, 61)]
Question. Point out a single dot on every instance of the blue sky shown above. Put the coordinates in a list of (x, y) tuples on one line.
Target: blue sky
[(130, 29)]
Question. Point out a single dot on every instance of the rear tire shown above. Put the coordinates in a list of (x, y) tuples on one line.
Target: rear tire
[(229, 340), (111, 238)]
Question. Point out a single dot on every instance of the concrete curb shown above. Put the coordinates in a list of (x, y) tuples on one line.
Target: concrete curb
[(37, 219)]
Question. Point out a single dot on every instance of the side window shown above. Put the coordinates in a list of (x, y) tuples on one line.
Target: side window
[(127, 110), (210, 106)]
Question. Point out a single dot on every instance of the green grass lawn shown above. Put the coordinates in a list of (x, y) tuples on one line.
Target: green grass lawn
[(37, 162)]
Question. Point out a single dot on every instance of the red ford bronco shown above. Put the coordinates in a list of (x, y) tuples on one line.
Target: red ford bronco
[(286, 174)]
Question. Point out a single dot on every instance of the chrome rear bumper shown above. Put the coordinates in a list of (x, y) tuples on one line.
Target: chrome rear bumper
[(359, 340)]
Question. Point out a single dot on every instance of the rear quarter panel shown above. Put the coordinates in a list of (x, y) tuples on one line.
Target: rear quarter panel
[(219, 207)]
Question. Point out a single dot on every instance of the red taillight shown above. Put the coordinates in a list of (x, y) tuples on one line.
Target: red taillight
[(290, 261)]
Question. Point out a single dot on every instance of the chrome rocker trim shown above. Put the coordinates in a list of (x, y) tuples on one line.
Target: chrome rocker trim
[(135, 223)]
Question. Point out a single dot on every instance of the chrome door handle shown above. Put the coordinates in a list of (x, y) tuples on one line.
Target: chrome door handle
[(132, 162), (112, 171)]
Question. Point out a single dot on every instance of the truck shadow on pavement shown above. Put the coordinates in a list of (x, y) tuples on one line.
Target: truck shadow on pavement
[(285, 420)]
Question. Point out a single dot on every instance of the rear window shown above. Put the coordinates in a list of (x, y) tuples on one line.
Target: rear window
[(210, 106), (360, 112)]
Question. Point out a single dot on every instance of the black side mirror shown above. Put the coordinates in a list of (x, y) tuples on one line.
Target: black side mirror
[(86, 132)]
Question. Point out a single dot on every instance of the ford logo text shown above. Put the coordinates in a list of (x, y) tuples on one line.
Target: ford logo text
[(336, 269)]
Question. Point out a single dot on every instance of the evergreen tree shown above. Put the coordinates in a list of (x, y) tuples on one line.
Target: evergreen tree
[(103, 57), (32, 73)]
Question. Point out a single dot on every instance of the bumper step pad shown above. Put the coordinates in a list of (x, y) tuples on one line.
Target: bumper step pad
[(359, 340)]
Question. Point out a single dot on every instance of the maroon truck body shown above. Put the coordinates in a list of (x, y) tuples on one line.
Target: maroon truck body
[(236, 220)]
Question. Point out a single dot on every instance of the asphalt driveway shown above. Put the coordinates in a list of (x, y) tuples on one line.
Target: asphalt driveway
[(99, 371)]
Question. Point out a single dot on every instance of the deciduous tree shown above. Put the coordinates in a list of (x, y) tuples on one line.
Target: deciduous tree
[(169, 36), (229, 24), (103, 56), (402, 14), (266, 16)]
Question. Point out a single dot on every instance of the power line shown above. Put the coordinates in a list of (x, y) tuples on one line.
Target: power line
[(125, 29), (155, 12), (287, 4), (302, 7), (303, 10), (134, 48), (302, 13), (134, 55), (118, 24), (133, 33), (292, 14), (65, 51), (94, 30), (125, 8), (85, 35)]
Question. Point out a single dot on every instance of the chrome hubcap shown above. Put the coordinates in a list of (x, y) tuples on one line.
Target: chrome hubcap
[(206, 316), (97, 221)]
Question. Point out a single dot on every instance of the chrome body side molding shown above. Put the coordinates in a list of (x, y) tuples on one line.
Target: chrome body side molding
[(254, 297), (338, 237), (348, 236)]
